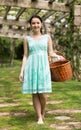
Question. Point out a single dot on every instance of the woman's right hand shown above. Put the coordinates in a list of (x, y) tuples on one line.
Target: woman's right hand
[(21, 77)]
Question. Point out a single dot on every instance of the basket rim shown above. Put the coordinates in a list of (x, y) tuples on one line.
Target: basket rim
[(61, 64)]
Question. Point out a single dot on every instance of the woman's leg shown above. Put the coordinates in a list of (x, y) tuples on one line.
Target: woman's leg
[(37, 107), (43, 99)]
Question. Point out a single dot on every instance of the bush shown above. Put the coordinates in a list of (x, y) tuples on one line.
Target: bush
[(4, 48), (19, 51)]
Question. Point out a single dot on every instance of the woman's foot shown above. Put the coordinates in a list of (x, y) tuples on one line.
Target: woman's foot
[(40, 121)]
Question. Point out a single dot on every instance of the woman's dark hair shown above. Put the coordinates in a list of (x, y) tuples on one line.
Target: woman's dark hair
[(35, 16)]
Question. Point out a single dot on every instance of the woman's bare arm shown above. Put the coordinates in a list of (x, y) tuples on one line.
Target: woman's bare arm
[(51, 51), (50, 47), (25, 47)]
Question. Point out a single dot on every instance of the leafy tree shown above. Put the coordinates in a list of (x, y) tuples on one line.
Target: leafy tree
[(4, 48), (18, 49), (70, 41)]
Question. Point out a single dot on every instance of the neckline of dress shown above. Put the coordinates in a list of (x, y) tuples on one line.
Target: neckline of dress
[(38, 38)]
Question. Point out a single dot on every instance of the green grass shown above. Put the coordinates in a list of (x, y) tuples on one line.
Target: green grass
[(10, 92)]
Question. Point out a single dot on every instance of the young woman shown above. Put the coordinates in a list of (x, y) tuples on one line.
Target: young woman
[(35, 71)]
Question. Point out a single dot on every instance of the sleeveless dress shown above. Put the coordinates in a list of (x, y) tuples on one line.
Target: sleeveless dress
[(37, 77)]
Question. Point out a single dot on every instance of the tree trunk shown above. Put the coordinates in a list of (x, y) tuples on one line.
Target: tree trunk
[(12, 52)]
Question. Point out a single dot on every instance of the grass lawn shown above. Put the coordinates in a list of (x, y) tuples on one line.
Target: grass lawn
[(16, 109)]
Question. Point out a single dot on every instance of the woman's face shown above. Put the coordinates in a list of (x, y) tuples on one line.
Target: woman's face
[(36, 24)]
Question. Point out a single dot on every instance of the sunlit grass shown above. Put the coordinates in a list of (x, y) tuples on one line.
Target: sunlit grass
[(10, 92)]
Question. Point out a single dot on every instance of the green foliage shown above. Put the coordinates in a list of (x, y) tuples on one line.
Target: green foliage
[(66, 43), (78, 1), (69, 39), (4, 48), (19, 49)]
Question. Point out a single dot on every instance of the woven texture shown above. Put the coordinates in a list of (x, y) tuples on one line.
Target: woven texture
[(61, 71)]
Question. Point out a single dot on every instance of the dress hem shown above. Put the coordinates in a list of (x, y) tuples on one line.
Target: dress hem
[(36, 92)]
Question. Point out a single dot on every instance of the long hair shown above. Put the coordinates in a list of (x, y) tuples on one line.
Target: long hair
[(35, 16)]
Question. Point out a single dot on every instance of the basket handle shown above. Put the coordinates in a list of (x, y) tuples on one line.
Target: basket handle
[(60, 53)]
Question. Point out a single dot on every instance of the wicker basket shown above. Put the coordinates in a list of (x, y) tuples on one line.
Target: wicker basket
[(61, 71)]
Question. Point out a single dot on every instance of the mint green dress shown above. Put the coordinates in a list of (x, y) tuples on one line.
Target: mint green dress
[(37, 78)]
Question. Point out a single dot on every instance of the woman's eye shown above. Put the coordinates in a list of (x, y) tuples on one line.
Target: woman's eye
[(33, 23)]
